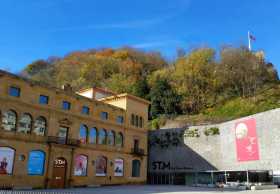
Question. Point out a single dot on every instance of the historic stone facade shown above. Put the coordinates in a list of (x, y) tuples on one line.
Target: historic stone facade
[(57, 138)]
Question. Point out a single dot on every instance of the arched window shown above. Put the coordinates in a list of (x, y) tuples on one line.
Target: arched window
[(119, 139), (6, 160), (111, 138), (83, 134), (9, 120), (40, 126), (136, 121), (80, 168), (36, 162), (132, 119), (136, 168), (25, 123), (101, 166), (102, 136), (92, 135)]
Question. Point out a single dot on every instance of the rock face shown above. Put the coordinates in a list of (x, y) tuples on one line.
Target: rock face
[(171, 124), (256, 149)]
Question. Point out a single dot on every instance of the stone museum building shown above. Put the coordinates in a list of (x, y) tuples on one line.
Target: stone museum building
[(56, 138), (243, 151)]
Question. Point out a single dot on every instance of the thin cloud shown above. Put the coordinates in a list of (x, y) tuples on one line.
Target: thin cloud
[(178, 5), (124, 25), (156, 44), (149, 44), (135, 24), (175, 8)]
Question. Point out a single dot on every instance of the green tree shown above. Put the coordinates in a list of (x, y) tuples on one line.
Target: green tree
[(164, 100), (195, 80), (141, 88), (120, 83)]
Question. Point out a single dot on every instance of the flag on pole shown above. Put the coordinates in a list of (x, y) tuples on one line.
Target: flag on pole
[(250, 38)]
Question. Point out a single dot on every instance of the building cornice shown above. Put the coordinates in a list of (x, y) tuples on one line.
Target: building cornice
[(125, 95), (57, 90)]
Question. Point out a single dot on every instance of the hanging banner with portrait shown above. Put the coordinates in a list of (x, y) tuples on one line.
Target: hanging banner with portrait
[(247, 147), (6, 160), (101, 166), (80, 165), (118, 168)]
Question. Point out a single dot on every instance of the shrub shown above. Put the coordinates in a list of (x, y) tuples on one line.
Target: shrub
[(212, 131), (155, 124), (192, 133)]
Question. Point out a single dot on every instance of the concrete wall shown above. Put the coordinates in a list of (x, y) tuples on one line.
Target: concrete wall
[(171, 154), (219, 151)]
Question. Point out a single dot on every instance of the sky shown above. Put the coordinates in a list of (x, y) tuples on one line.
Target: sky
[(37, 29)]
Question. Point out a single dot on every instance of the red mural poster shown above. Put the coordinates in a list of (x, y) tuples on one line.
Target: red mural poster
[(246, 139)]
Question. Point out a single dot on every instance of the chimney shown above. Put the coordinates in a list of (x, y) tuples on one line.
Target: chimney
[(66, 87)]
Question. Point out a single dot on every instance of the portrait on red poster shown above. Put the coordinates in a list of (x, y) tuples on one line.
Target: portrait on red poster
[(247, 148)]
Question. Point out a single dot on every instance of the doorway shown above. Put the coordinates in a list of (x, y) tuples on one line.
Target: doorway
[(59, 173)]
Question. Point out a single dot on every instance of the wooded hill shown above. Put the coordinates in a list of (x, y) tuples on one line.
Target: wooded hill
[(203, 83)]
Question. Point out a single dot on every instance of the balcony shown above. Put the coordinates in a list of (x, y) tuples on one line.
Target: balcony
[(138, 151), (63, 141)]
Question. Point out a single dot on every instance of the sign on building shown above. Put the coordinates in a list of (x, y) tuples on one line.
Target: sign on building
[(247, 148)]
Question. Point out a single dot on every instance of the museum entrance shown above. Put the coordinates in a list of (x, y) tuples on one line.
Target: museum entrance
[(166, 178), (59, 173)]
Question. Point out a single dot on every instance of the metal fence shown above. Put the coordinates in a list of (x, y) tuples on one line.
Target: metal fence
[(35, 192)]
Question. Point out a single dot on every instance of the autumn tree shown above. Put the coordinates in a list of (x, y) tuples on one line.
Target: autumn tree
[(193, 83), (242, 72), (194, 75)]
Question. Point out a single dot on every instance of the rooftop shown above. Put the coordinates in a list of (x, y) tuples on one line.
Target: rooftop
[(123, 95), (65, 91), (103, 90), (69, 92)]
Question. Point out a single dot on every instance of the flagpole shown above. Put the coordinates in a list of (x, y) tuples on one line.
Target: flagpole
[(249, 41)]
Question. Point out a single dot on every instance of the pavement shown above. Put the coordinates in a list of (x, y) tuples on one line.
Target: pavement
[(140, 189)]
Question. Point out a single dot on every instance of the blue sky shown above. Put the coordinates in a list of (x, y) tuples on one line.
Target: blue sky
[(35, 29)]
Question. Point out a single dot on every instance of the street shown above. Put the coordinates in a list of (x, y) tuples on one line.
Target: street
[(139, 189)]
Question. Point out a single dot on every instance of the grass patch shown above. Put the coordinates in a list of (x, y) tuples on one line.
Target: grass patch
[(266, 99)]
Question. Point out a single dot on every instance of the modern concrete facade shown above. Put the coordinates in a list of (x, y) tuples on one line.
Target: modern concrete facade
[(54, 138), (198, 151)]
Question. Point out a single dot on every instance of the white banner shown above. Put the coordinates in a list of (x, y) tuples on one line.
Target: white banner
[(118, 169), (6, 160)]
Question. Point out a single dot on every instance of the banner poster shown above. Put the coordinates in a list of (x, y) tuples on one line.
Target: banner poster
[(6, 160), (80, 168), (118, 169), (36, 163), (247, 148), (101, 166)]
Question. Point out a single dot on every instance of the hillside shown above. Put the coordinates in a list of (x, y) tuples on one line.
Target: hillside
[(201, 85), (266, 99), (121, 70)]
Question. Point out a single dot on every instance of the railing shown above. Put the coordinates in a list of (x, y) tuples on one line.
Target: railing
[(38, 192), (138, 151), (64, 141)]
